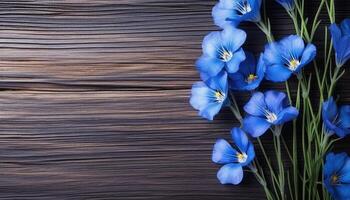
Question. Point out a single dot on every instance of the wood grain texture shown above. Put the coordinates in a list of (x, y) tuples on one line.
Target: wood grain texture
[(94, 100)]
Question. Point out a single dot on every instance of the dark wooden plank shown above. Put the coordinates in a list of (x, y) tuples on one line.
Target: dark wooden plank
[(94, 100)]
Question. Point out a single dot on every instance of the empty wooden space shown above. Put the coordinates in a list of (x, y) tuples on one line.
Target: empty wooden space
[(94, 100)]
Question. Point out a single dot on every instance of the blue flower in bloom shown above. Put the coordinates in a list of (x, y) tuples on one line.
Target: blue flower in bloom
[(233, 159), (235, 11), (336, 121), (341, 41), (267, 109), (287, 4), (210, 96), (286, 57), (222, 50), (249, 75), (336, 173)]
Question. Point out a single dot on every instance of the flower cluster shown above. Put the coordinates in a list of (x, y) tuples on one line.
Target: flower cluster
[(227, 68)]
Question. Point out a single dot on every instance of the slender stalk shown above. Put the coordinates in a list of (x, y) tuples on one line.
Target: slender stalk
[(260, 177), (234, 108), (266, 29), (274, 179), (281, 173), (336, 76)]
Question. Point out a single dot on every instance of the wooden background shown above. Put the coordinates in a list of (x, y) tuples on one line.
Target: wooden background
[(94, 100)]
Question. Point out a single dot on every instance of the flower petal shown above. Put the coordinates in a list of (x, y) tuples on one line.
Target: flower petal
[(250, 153), (341, 132), (256, 105), (277, 73), (275, 101), (198, 92), (287, 4), (293, 46), (328, 185), (345, 26), (232, 66), (237, 81), (219, 82), (210, 66), (336, 34), (286, 115), (261, 67), (255, 126), (342, 192), (254, 14), (248, 66), (223, 153), (308, 55), (345, 172), (230, 174), (204, 76), (344, 116), (259, 72), (211, 43), (334, 163), (244, 145), (329, 110), (272, 55), (233, 38), (211, 110), (223, 16), (343, 51), (228, 4), (240, 139)]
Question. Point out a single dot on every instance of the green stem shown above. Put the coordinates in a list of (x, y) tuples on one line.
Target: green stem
[(266, 29), (281, 174), (336, 76), (255, 168), (274, 179), (234, 108)]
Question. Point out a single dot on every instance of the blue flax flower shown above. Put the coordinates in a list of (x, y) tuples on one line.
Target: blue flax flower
[(210, 96), (287, 4), (286, 57), (222, 50), (235, 11), (267, 109), (336, 173), (233, 159), (341, 41), (249, 75), (336, 121)]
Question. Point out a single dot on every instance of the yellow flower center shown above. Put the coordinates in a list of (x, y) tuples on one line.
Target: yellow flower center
[(251, 78), (226, 55), (270, 116), (334, 179), (244, 7), (293, 64), (242, 157), (219, 96)]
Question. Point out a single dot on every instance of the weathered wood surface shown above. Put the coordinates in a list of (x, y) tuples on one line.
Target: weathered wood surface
[(94, 100)]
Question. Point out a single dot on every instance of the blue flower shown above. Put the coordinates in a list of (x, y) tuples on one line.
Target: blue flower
[(335, 121), (210, 96), (341, 41), (249, 75), (233, 159), (235, 11), (222, 50), (287, 4), (336, 174), (286, 57), (267, 109)]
